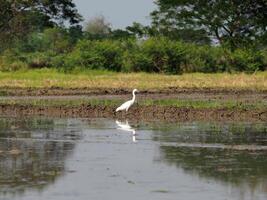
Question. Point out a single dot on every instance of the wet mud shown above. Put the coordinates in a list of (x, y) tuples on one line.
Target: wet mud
[(137, 112)]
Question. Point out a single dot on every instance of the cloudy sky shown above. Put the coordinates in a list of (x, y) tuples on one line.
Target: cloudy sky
[(120, 13)]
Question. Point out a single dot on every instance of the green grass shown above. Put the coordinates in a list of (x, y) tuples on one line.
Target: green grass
[(200, 104), (93, 79)]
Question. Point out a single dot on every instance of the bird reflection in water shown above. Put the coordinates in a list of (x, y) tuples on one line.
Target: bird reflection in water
[(126, 127)]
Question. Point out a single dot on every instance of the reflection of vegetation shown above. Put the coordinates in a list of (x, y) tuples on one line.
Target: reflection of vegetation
[(8, 128), (33, 152), (227, 165), (226, 133)]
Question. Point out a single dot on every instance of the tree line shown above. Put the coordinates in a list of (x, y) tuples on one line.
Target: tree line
[(184, 36)]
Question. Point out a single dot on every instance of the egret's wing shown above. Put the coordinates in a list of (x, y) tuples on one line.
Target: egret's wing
[(124, 106)]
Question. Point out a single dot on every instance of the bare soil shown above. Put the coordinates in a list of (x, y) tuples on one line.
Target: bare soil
[(147, 113)]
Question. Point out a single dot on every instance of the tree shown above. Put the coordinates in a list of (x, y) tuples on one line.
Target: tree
[(98, 27), (233, 22), (137, 29), (119, 34), (20, 17)]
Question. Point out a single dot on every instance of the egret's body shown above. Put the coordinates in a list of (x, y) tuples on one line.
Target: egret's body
[(127, 104)]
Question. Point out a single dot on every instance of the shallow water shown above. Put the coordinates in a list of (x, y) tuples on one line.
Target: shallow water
[(66, 159)]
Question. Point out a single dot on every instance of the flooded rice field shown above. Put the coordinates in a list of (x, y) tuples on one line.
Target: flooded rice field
[(64, 159)]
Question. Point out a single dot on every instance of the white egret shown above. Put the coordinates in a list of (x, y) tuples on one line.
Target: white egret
[(127, 104)]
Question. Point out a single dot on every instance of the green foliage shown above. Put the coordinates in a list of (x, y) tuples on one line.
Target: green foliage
[(206, 59), (162, 55), (236, 24), (54, 48), (18, 18), (39, 60), (9, 62), (104, 54), (57, 40), (14, 66), (174, 57), (40, 50), (247, 60)]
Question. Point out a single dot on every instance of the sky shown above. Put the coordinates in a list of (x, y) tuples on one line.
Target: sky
[(120, 13)]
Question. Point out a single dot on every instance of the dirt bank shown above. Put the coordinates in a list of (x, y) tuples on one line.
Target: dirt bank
[(147, 113), (141, 112)]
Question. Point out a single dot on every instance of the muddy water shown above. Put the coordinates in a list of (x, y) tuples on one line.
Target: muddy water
[(66, 159)]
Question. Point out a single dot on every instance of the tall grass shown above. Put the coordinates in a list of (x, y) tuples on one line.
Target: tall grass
[(92, 79)]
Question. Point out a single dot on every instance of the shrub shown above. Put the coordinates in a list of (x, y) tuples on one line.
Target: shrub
[(52, 39), (247, 60), (264, 55), (165, 55), (9, 61), (14, 66), (105, 54), (39, 60), (206, 59), (156, 55)]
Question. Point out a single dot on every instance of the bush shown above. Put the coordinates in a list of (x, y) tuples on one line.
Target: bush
[(14, 66), (134, 59), (264, 55), (9, 61), (165, 55), (247, 60), (52, 39), (206, 59), (157, 54), (39, 60), (105, 54)]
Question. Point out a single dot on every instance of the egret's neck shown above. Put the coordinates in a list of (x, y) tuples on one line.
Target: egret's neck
[(133, 99)]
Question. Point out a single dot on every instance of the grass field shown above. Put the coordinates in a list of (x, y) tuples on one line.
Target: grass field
[(47, 78)]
